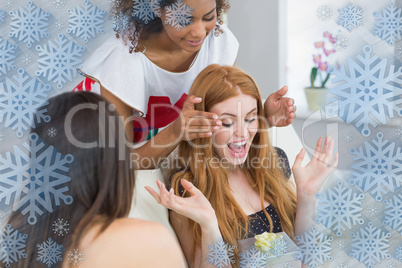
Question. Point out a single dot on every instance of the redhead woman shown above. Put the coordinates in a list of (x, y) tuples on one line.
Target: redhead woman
[(236, 185)]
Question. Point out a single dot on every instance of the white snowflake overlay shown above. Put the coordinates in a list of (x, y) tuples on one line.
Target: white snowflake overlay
[(339, 208), (29, 24), (49, 252), (370, 245), (60, 227), (372, 210), (380, 167), (59, 60), (26, 59), (388, 23), (278, 247), (350, 17), (367, 91), (51, 132), (342, 264), (76, 257), (393, 213), (12, 245), (146, 10), (341, 42), (178, 15), (220, 254), (340, 244), (1, 139), (9, 3), (398, 132), (113, 2), (7, 57), (253, 258), (348, 137), (399, 51), (315, 248), (2, 16), (86, 21), (58, 3), (23, 102), (121, 22), (324, 13), (59, 25), (398, 253), (35, 166)]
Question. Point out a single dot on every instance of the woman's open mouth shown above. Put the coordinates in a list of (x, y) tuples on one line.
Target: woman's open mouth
[(238, 149)]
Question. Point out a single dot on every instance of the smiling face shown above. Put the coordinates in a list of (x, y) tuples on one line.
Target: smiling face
[(239, 126), (191, 37)]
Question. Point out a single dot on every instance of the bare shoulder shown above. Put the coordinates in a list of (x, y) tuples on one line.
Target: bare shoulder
[(134, 243)]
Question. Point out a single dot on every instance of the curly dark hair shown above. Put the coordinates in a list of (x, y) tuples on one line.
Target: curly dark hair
[(136, 28)]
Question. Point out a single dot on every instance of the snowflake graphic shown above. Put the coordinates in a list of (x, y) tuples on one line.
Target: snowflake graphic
[(9, 3), (350, 17), (253, 258), (380, 168), (58, 3), (339, 208), (59, 60), (341, 42), (86, 21), (1, 139), (35, 179), (121, 23), (287, 265), (348, 137), (324, 13), (343, 264), (178, 15), (370, 245), (393, 213), (21, 98), (398, 253), (278, 247), (51, 132), (340, 244), (29, 24), (399, 51), (315, 248), (368, 91), (60, 227), (372, 210), (49, 252), (76, 257), (391, 265), (2, 16), (59, 25), (7, 57), (26, 59), (388, 23), (113, 3), (398, 131), (12, 245), (220, 254), (144, 10)]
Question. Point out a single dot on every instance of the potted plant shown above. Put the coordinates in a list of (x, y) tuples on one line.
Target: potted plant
[(316, 94)]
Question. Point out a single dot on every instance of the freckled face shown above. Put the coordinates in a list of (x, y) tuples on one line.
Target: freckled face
[(239, 126), (191, 37)]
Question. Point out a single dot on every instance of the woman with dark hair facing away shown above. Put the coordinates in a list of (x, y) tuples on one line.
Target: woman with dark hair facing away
[(234, 186), (101, 189), (147, 71)]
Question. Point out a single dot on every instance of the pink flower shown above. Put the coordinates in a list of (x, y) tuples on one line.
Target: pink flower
[(317, 59), (329, 52), (319, 44), (323, 66), (330, 37)]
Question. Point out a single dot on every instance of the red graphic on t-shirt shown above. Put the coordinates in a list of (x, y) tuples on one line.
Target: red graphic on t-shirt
[(160, 113), (85, 85)]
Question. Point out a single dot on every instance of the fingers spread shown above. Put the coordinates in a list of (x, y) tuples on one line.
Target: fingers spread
[(189, 187)]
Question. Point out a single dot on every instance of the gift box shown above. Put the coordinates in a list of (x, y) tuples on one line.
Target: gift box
[(269, 250)]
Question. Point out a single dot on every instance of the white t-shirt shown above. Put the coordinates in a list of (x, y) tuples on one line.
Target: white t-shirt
[(138, 82)]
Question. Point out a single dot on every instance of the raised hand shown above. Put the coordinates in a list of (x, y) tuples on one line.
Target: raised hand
[(310, 178), (195, 207), (192, 124), (279, 110)]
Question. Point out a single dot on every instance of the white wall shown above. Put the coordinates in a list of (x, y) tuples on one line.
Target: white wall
[(261, 31)]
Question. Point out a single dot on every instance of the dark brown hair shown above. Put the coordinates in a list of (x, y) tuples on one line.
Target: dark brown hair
[(101, 185), (138, 29)]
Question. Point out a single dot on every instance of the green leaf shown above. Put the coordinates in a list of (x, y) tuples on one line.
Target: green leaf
[(313, 76), (325, 81)]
